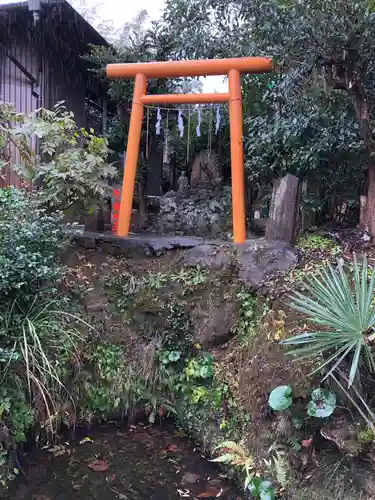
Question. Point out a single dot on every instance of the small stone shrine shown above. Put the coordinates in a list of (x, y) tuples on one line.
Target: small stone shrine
[(201, 208)]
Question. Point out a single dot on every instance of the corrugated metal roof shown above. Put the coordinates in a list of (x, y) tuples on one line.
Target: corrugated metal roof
[(92, 35)]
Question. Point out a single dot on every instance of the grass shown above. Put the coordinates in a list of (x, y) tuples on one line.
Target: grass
[(40, 342)]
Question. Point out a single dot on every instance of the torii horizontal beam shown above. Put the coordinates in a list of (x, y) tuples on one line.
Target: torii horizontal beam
[(174, 69), (185, 98)]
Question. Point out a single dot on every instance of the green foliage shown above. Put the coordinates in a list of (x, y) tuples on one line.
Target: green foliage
[(73, 173), (279, 465), (312, 135), (29, 239), (366, 435), (39, 334), (199, 394), (199, 368), (178, 332), (107, 360), (189, 278), (347, 318), (111, 386), (38, 341), (127, 287), (166, 357), (259, 488), (105, 389), (16, 413), (11, 137), (39, 346), (322, 403), (314, 115), (247, 319), (314, 242), (280, 398)]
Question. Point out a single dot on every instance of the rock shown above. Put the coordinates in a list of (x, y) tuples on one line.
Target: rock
[(190, 478), (200, 213), (95, 302), (159, 245), (215, 257), (134, 245), (213, 319), (259, 259), (85, 240), (255, 260)]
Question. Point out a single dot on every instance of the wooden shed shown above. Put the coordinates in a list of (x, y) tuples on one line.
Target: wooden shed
[(41, 47)]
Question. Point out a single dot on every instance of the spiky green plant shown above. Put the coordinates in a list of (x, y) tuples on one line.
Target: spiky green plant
[(342, 305)]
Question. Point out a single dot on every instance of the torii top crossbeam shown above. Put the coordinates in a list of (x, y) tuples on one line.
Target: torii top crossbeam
[(173, 69), (204, 67)]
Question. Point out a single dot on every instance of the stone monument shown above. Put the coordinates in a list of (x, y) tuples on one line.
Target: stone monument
[(182, 186), (201, 209)]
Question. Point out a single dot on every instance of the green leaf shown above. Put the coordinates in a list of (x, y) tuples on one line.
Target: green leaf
[(297, 421), (174, 356), (280, 398), (322, 403), (261, 489), (254, 486), (267, 492)]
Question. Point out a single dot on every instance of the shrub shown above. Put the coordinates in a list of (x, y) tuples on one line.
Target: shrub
[(29, 239), (73, 172), (11, 138)]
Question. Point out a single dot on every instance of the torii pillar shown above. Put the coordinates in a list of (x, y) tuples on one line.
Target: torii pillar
[(174, 69)]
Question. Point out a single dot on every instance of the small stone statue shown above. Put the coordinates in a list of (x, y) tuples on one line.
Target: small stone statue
[(183, 185)]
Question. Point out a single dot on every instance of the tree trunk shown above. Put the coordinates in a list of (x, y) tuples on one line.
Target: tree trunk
[(367, 214), (282, 220), (141, 195), (367, 202)]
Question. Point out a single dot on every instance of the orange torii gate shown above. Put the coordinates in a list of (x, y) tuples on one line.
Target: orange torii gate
[(173, 69)]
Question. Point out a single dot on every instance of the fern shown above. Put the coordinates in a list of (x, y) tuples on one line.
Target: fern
[(281, 468), (225, 458), (233, 446), (278, 464), (236, 455)]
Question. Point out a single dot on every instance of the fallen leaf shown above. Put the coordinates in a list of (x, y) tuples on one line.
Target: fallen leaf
[(173, 447), (57, 450), (86, 440), (211, 492), (98, 465), (184, 494)]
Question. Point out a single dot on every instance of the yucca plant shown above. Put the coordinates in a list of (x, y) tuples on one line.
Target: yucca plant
[(343, 306)]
